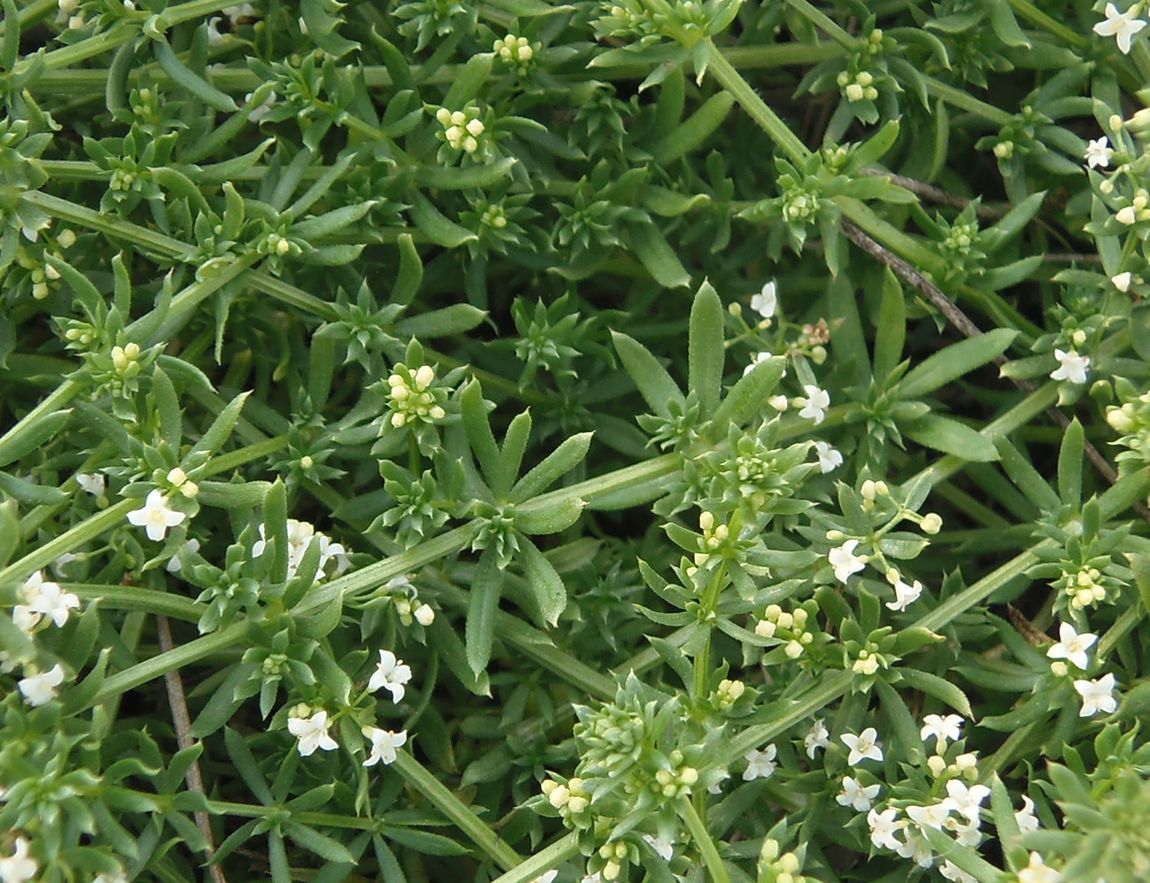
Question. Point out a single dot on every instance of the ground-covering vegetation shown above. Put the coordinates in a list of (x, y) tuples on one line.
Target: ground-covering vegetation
[(523, 441)]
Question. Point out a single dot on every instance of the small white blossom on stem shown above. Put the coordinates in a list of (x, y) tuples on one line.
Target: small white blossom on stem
[(1072, 646), (883, 828), (312, 733), (817, 737), (545, 877), (950, 871), (942, 729), (663, 847), (48, 599), (829, 458), (18, 867), (1122, 26), (1025, 818), (156, 516), (766, 301), (862, 747), (1122, 281), (1097, 695), (391, 674), (40, 689), (756, 360), (855, 794), (1037, 871), (760, 764), (844, 560), (904, 595), (932, 815), (964, 800), (92, 483), (1098, 153), (384, 744), (1071, 366), (190, 546), (815, 404)]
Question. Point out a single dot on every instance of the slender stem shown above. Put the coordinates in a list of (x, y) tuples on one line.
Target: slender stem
[(1036, 16), (548, 858), (57, 399), (704, 842), (824, 23)]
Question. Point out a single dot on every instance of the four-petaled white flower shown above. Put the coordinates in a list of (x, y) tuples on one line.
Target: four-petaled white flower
[(312, 733), (92, 483), (1071, 366), (817, 737), (391, 674), (48, 599), (855, 794), (942, 729), (950, 871), (756, 360), (1097, 695), (1072, 646), (904, 595), (662, 846), (156, 516), (864, 746), (384, 744), (1025, 818), (40, 689), (1122, 26), (932, 815), (766, 301), (1098, 153), (883, 827), (966, 800), (844, 560), (816, 403), (829, 458), (1037, 871), (760, 764), (18, 867)]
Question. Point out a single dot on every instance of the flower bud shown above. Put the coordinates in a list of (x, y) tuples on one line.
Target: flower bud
[(931, 523)]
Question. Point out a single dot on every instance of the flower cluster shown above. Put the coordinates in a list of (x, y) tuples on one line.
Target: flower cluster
[(412, 398), (300, 535), (462, 129)]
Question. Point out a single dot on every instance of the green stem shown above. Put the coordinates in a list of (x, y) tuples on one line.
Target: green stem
[(704, 842), (824, 23), (138, 598), (548, 858), (420, 778), (71, 539), (1036, 16), (57, 399), (258, 811), (707, 612), (830, 686)]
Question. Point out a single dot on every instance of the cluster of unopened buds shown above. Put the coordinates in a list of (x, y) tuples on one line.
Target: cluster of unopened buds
[(407, 604), (728, 693), (677, 781), (278, 245), (1084, 588), (41, 273), (789, 628), (126, 360), (570, 799), (1138, 210), (411, 397), (714, 536), (614, 856), (461, 128), (868, 661), (514, 50), (779, 868), (859, 88)]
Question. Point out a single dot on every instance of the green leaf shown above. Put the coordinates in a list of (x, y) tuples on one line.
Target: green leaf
[(410, 274), (902, 724), (483, 605), (184, 77), (245, 764), (549, 517), (331, 222), (479, 435), (276, 530), (1070, 464), (321, 28), (647, 243), (511, 453), (38, 435), (950, 437), (212, 440), (424, 841), (168, 408), (747, 398), (953, 362), (543, 582), (1012, 223), (455, 319), (1025, 477), (322, 845), (705, 349), (436, 226), (558, 463), (470, 178), (940, 688), (875, 147), (695, 130), (656, 386), (890, 334), (29, 492), (468, 82)]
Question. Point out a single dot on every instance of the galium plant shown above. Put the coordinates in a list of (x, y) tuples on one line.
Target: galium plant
[(641, 440)]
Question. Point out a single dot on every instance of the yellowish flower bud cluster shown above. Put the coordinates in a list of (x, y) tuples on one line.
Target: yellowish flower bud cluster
[(411, 397), (868, 661), (178, 479), (1138, 210), (779, 868), (728, 693), (675, 782), (570, 799), (461, 128), (965, 766), (860, 88), (714, 536), (615, 855), (514, 50), (872, 490), (1084, 588), (125, 359), (788, 628)]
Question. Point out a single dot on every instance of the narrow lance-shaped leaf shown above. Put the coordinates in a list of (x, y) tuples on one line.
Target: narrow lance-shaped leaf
[(543, 581), (705, 349), (276, 530), (950, 437), (656, 386), (483, 604), (212, 440), (168, 407), (410, 274), (511, 453), (747, 398), (1070, 464), (558, 463), (891, 332), (954, 361), (479, 435)]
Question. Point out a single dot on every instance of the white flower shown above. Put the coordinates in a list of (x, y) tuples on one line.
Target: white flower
[(1098, 153), (917, 847), (258, 113), (943, 729), (829, 458), (951, 871), (904, 594), (424, 614), (25, 618), (1071, 366), (1025, 818), (766, 301), (756, 360), (1037, 871), (854, 794), (864, 746), (1123, 26), (817, 737), (545, 877), (716, 787), (592, 878), (156, 516), (384, 744), (1072, 646), (1122, 281), (883, 827), (844, 560), (47, 598), (930, 816), (190, 547), (312, 733), (18, 867), (816, 403), (40, 689), (93, 483), (662, 846), (391, 674), (1097, 695), (760, 764), (1127, 215), (966, 801), (117, 877), (966, 831)]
